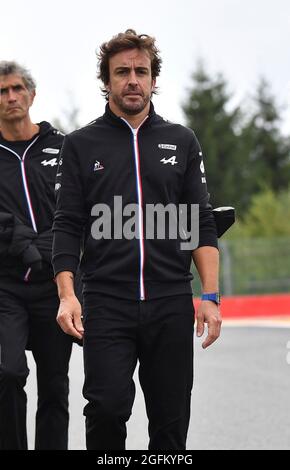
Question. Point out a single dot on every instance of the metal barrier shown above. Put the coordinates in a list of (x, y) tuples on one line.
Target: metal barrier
[(253, 266)]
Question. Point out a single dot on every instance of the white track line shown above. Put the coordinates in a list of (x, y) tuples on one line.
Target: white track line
[(273, 322)]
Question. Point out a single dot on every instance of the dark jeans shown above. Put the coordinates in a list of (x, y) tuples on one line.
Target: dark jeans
[(28, 316), (158, 333)]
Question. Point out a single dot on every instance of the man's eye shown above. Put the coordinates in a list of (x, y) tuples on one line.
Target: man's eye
[(3, 91), (18, 88)]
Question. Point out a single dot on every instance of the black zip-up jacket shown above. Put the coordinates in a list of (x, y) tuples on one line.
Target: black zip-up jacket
[(27, 191), (160, 163)]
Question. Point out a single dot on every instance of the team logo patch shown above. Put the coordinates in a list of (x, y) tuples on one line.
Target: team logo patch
[(51, 151), (167, 147), (98, 166)]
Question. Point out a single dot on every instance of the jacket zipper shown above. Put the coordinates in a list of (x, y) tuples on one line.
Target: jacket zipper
[(26, 189), (140, 204)]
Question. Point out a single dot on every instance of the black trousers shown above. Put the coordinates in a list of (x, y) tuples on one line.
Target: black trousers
[(158, 333), (28, 316)]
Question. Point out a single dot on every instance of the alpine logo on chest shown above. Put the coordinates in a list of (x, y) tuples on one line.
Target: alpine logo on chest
[(53, 162), (171, 160)]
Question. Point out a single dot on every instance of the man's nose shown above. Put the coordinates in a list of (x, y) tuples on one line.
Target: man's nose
[(133, 78), (11, 95)]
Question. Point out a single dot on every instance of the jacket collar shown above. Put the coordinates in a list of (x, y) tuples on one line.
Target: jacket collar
[(114, 120), (44, 129)]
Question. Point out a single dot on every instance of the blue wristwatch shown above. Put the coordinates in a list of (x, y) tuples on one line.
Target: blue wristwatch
[(214, 297)]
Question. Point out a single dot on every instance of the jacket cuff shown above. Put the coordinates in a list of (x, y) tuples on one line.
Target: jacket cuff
[(65, 263), (209, 241)]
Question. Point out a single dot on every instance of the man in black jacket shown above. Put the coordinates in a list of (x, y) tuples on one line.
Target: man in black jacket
[(29, 155), (137, 286)]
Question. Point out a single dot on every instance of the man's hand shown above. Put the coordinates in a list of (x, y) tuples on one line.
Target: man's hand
[(208, 312), (69, 316)]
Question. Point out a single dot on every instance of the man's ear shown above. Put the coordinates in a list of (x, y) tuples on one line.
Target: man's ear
[(32, 96), (153, 84)]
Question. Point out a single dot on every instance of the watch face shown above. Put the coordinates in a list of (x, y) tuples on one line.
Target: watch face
[(215, 297)]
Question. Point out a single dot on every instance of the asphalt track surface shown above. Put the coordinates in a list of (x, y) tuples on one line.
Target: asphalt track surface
[(240, 401)]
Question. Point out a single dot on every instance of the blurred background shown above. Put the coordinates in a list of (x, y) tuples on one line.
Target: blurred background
[(225, 74)]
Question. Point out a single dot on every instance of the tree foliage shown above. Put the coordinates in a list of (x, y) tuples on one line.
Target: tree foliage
[(207, 114), (244, 150), (69, 120), (268, 216), (267, 151)]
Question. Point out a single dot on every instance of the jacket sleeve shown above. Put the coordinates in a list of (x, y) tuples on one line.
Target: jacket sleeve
[(70, 215), (195, 192)]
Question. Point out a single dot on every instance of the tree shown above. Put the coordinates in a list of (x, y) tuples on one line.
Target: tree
[(267, 151), (245, 152), (208, 113), (268, 215), (70, 117)]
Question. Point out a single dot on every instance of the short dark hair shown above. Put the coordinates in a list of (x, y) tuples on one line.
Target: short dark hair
[(11, 67), (124, 41)]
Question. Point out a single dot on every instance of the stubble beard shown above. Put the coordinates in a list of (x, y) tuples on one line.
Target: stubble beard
[(133, 108)]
